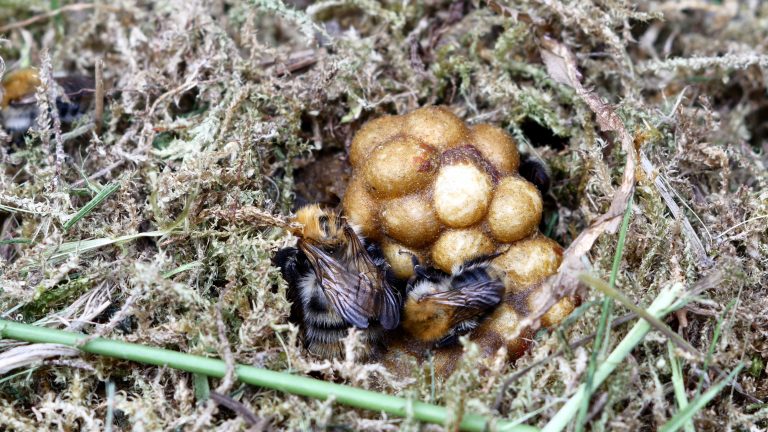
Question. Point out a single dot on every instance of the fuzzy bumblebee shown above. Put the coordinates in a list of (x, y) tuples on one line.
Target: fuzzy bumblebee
[(430, 189), (336, 283), (19, 105)]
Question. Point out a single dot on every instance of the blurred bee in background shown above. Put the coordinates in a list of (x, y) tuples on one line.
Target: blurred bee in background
[(335, 284), (19, 105), (535, 171), (441, 307)]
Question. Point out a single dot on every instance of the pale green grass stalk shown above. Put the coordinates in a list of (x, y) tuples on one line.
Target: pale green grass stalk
[(64, 250), (686, 415), (103, 194), (293, 384), (10, 209), (715, 339), (603, 336), (110, 406), (658, 308), (182, 268), (678, 384)]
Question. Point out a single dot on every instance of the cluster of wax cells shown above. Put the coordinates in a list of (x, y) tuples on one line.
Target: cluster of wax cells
[(425, 185)]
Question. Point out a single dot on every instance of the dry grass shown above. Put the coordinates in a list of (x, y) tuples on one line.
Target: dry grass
[(229, 104)]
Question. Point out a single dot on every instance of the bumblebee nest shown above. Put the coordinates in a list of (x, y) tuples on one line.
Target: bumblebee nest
[(426, 185)]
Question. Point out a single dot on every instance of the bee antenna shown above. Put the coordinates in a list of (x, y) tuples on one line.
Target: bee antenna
[(496, 254), (414, 258)]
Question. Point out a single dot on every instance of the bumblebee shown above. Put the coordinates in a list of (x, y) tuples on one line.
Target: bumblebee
[(19, 106), (535, 171), (441, 307), (336, 283)]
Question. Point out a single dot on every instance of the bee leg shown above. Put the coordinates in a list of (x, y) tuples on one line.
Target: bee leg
[(452, 338), (292, 264), (374, 251), (414, 259)]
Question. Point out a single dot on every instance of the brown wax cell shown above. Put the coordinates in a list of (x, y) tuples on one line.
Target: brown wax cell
[(496, 146), (400, 258), (457, 246), (462, 194), (515, 210), (556, 314), (373, 133), (498, 330), (410, 220), (399, 167), (529, 261), (436, 126), (361, 210)]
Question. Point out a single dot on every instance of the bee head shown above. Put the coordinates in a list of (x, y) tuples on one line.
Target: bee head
[(318, 225), (18, 84)]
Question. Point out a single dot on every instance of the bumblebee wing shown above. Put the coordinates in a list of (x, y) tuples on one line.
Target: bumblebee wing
[(349, 293), (389, 312), (480, 287), (468, 299), (385, 302)]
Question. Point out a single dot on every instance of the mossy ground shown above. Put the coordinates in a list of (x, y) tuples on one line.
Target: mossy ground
[(228, 104)]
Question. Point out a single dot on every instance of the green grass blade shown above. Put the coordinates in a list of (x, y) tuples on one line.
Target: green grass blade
[(202, 388), (603, 334), (615, 271), (685, 415), (15, 241), (103, 194), (715, 339), (597, 283), (285, 382), (182, 268), (678, 384), (660, 305), (64, 250)]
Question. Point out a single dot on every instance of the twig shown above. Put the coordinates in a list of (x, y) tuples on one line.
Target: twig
[(251, 215), (561, 66), (21, 356), (98, 112), (121, 314), (740, 224), (248, 417), (100, 173), (79, 131), (698, 247), (77, 7)]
